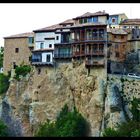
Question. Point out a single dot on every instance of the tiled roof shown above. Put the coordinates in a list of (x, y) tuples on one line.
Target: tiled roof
[(88, 24), (28, 34), (116, 31), (117, 14), (88, 14), (68, 21), (130, 22), (49, 28)]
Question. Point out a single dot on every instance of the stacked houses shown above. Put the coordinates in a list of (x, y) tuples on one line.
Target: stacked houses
[(98, 40)]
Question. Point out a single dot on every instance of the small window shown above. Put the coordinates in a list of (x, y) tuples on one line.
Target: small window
[(113, 20), (137, 36), (30, 58), (122, 37), (95, 19), (48, 58), (41, 45), (14, 65), (39, 71), (117, 54), (31, 40), (80, 21), (85, 20), (16, 50), (57, 37), (115, 36), (50, 45)]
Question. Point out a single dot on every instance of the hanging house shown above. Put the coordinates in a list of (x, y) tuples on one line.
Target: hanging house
[(90, 38)]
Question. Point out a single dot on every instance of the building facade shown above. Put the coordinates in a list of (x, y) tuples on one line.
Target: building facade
[(116, 19), (90, 39), (17, 50), (117, 49)]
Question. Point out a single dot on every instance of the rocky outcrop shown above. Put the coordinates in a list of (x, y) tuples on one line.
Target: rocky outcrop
[(100, 101)]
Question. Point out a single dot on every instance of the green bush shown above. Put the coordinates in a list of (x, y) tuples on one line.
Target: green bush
[(68, 124), (4, 83), (130, 128), (3, 129), (22, 70), (110, 132), (46, 130)]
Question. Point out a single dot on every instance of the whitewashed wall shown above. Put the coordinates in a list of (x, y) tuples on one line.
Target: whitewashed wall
[(44, 56), (102, 19)]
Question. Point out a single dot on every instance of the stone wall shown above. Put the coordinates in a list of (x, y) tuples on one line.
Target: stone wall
[(11, 56)]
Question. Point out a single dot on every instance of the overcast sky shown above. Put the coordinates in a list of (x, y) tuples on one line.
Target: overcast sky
[(26, 17)]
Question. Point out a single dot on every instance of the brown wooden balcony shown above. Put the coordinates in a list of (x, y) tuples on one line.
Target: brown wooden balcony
[(76, 54), (95, 53)]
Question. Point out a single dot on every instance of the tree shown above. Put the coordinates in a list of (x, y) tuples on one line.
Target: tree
[(1, 56), (68, 124), (3, 129), (130, 128), (4, 83)]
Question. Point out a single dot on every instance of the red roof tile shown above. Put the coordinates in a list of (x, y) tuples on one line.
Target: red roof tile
[(22, 35), (88, 14)]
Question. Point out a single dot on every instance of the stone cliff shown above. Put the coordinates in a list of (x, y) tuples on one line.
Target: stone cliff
[(25, 105)]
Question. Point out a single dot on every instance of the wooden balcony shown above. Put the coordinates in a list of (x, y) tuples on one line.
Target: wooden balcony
[(76, 54), (95, 53), (62, 55)]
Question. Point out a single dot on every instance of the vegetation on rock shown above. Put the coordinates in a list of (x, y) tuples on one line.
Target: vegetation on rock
[(4, 83), (3, 129), (68, 124), (22, 70), (130, 128)]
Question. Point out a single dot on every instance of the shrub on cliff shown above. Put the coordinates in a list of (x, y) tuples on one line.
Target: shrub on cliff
[(3, 129), (130, 128), (4, 83), (22, 70), (68, 124)]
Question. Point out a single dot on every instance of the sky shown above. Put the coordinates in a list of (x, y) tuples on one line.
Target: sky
[(18, 18)]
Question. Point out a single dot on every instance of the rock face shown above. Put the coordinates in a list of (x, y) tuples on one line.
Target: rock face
[(98, 100)]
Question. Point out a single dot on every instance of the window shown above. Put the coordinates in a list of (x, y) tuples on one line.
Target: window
[(31, 40), (16, 50), (50, 45), (117, 54), (14, 65), (89, 19), (30, 58), (39, 71), (122, 37), (115, 36), (41, 45), (80, 21), (85, 20), (116, 46), (48, 58), (95, 19), (113, 20), (57, 37)]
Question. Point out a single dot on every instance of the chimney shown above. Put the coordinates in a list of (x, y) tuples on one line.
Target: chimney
[(103, 11)]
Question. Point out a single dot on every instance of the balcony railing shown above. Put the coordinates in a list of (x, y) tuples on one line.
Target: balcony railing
[(39, 62), (63, 55), (101, 53), (82, 53)]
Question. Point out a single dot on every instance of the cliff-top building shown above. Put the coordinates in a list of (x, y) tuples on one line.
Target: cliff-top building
[(17, 50)]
